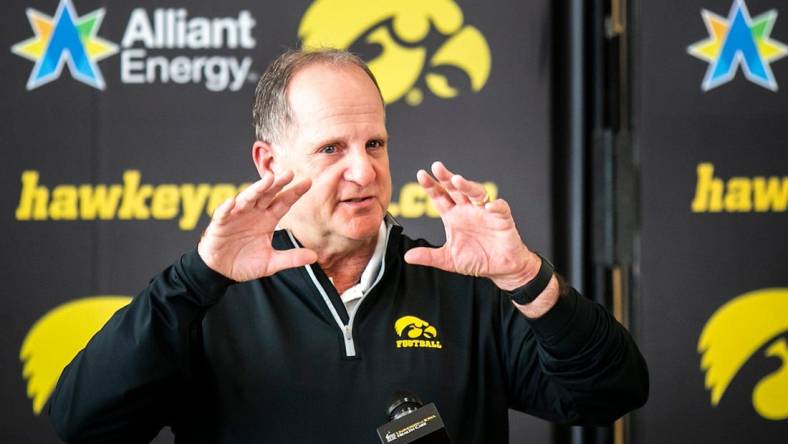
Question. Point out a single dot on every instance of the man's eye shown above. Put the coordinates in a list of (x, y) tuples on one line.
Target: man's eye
[(329, 149), (375, 144)]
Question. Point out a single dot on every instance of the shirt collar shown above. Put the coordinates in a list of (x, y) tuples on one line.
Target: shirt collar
[(371, 271)]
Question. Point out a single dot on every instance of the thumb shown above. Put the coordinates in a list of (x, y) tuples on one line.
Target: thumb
[(429, 257), (297, 257)]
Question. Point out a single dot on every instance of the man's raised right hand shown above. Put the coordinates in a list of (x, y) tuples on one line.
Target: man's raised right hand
[(237, 242)]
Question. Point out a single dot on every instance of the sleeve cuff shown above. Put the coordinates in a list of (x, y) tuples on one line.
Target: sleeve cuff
[(567, 327), (201, 279)]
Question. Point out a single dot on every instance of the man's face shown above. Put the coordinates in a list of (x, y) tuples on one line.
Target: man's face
[(338, 139)]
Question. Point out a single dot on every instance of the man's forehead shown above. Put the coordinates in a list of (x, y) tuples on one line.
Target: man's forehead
[(346, 124), (322, 96), (323, 85)]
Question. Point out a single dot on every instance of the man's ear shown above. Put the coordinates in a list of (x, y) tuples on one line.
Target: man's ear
[(263, 157)]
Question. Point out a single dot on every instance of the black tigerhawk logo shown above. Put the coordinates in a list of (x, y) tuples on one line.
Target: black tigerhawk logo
[(415, 333)]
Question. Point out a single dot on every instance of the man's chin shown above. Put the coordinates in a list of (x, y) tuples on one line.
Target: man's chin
[(361, 227)]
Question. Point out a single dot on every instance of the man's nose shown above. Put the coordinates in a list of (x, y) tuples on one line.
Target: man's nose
[(360, 168)]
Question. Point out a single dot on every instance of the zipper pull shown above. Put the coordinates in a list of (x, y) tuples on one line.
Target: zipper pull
[(350, 348)]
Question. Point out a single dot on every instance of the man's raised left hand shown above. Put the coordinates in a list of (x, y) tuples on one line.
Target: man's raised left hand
[(481, 237)]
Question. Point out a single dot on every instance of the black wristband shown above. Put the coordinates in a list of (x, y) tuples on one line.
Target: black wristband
[(528, 292)]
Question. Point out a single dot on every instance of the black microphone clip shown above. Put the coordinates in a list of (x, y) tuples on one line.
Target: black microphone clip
[(412, 422)]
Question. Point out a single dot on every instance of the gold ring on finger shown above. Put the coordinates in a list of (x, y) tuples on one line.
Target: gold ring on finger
[(481, 203)]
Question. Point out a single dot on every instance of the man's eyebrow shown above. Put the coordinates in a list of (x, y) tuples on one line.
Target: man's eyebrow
[(323, 141), (329, 140)]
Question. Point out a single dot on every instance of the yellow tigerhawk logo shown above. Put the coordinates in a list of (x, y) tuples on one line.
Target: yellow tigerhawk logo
[(400, 28), (734, 333), (57, 337), (414, 332)]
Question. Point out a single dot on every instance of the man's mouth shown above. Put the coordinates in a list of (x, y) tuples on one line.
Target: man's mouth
[(357, 200)]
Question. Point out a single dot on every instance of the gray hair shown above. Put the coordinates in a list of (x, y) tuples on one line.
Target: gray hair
[(271, 112)]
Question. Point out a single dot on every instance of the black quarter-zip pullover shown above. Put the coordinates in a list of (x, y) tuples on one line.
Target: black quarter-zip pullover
[(278, 359)]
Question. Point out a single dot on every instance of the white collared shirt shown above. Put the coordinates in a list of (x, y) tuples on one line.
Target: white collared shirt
[(352, 296)]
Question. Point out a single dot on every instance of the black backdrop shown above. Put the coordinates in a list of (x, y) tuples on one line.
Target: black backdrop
[(694, 259), (181, 138)]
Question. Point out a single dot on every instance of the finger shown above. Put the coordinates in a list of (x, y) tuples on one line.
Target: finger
[(440, 170), (444, 177), (474, 190), (297, 257), (247, 198), (279, 183), (500, 207), (428, 257), (284, 200), (221, 212), (440, 197)]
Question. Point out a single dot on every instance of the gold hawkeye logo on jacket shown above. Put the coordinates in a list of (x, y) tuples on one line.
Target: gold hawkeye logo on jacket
[(416, 333)]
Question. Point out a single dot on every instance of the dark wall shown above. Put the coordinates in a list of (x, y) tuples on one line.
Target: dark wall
[(712, 252)]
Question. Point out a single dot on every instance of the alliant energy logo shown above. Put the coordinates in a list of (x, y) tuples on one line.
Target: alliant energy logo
[(739, 40), (155, 45), (65, 39), (751, 322), (163, 45), (416, 333)]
